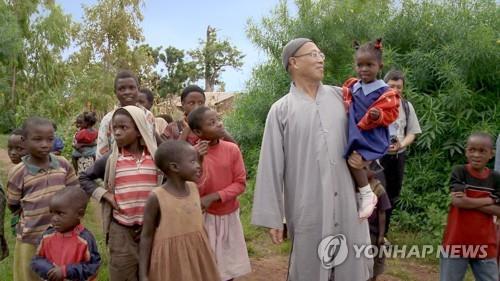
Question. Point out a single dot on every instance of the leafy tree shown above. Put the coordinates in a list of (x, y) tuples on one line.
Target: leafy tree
[(179, 72), (109, 39), (213, 56), (36, 34)]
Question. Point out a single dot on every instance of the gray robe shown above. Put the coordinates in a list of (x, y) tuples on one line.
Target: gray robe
[(301, 161)]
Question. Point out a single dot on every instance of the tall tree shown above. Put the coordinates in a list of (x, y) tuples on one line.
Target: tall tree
[(109, 39), (36, 34), (179, 72), (213, 56)]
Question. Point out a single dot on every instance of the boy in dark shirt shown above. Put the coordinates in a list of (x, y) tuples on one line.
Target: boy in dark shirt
[(469, 236)]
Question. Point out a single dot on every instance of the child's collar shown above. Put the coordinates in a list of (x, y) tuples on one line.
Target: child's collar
[(479, 175), (368, 88), (125, 152), (34, 169)]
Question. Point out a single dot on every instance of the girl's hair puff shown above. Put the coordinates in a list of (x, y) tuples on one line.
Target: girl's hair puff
[(374, 47)]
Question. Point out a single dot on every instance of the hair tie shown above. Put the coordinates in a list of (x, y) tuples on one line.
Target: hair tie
[(378, 43)]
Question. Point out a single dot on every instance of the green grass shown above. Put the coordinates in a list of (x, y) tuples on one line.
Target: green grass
[(3, 141)]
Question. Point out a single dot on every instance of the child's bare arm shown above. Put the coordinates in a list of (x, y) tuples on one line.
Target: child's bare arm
[(493, 210), (151, 219), (460, 200)]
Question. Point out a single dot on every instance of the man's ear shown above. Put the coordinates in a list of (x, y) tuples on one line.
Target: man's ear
[(292, 63)]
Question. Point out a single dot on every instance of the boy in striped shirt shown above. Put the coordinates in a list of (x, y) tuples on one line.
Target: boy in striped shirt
[(31, 184)]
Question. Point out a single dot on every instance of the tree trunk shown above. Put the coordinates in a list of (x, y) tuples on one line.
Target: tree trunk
[(13, 87), (208, 83)]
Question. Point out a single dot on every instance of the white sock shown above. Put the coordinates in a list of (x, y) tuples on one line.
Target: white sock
[(365, 191)]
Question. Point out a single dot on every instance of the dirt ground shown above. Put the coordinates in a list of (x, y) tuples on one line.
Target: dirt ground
[(275, 268)]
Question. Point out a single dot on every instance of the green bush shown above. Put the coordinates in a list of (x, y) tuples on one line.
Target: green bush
[(450, 53)]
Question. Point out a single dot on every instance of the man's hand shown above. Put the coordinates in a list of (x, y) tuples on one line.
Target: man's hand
[(355, 160), (276, 235), (111, 200), (374, 114), (55, 274)]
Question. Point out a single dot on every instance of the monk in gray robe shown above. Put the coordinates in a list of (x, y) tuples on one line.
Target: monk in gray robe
[(301, 162)]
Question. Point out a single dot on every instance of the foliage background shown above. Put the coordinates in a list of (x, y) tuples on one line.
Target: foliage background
[(450, 52)]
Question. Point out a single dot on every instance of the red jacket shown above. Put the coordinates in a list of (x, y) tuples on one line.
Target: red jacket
[(387, 104)]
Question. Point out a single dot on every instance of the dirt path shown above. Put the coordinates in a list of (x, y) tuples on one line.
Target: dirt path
[(274, 267), (5, 161)]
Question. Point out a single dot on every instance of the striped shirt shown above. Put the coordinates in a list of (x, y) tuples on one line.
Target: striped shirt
[(30, 188), (134, 180)]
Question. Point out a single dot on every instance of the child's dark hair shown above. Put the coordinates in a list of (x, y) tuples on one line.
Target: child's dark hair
[(374, 47), (17, 132), (35, 122), (190, 89), (170, 151), (149, 94), (124, 112), (123, 74), (195, 118), (89, 118), (75, 195), (394, 75), (483, 135)]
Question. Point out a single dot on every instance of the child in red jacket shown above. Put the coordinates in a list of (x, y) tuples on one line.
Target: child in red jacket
[(371, 107)]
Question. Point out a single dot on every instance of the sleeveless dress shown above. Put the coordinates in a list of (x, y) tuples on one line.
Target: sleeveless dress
[(181, 251)]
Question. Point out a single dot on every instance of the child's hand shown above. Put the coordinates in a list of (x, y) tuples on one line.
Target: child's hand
[(355, 160), (374, 114), (111, 200), (207, 200), (202, 147), (458, 194), (55, 274)]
